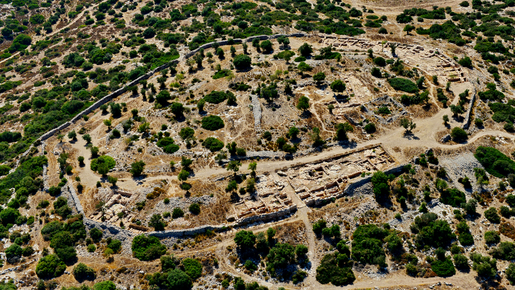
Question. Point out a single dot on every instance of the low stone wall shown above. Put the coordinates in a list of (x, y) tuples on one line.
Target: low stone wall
[(466, 123), (267, 216), (75, 198)]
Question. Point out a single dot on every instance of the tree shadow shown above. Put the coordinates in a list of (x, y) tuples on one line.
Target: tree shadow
[(410, 136), (306, 114), (458, 118), (341, 98), (347, 144)]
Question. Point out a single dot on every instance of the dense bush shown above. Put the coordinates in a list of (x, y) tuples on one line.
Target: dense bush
[(443, 268), (510, 273), (147, 248), (168, 145), (459, 134), (492, 237), (380, 184), (242, 61), (245, 239), (452, 197), (9, 137), (194, 208), (492, 216), (49, 267), (367, 245), (179, 280), (212, 123), (103, 164), (213, 144), (280, 257), (495, 162), (216, 97), (83, 272), (370, 128), (192, 267), (403, 84), (465, 237), (432, 232), (505, 251), (484, 265), (336, 269)]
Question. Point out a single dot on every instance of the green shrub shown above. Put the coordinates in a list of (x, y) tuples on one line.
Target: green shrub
[(103, 164), (367, 245), (212, 123), (49, 267), (492, 237), (492, 216), (177, 213), (370, 128), (403, 84), (216, 97), (495, 162), (432, 232), (147, 248), (194, 208), (242, 61), (213, 144), (280, 257), (192, 267), (443, 268), (484, 265), (461, 262), (452, 197), (83, 272), (179, 280), (510, 273), (222, 74), (245, 239), (379, 61), (104, 285), (505, 251), (168, 145), (336, 269), (459, 134)]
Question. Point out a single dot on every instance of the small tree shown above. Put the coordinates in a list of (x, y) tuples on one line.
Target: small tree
[(459, 134), (200, 105), (305, 50), (408, 28), (408, 125), (242, 61), (94, 151), (285, 41), (266, 46), (81, 160), (107, 122), (72, 135), (338, 86), (252, 168), (293, 132), (112, 180), (234, 165), (157, 222), (319, 77), (446, 120), (87, 138), (303, 103), (137, 168), (245, 239)]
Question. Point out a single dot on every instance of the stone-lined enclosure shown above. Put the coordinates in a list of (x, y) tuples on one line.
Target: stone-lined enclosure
[(313, 196)]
